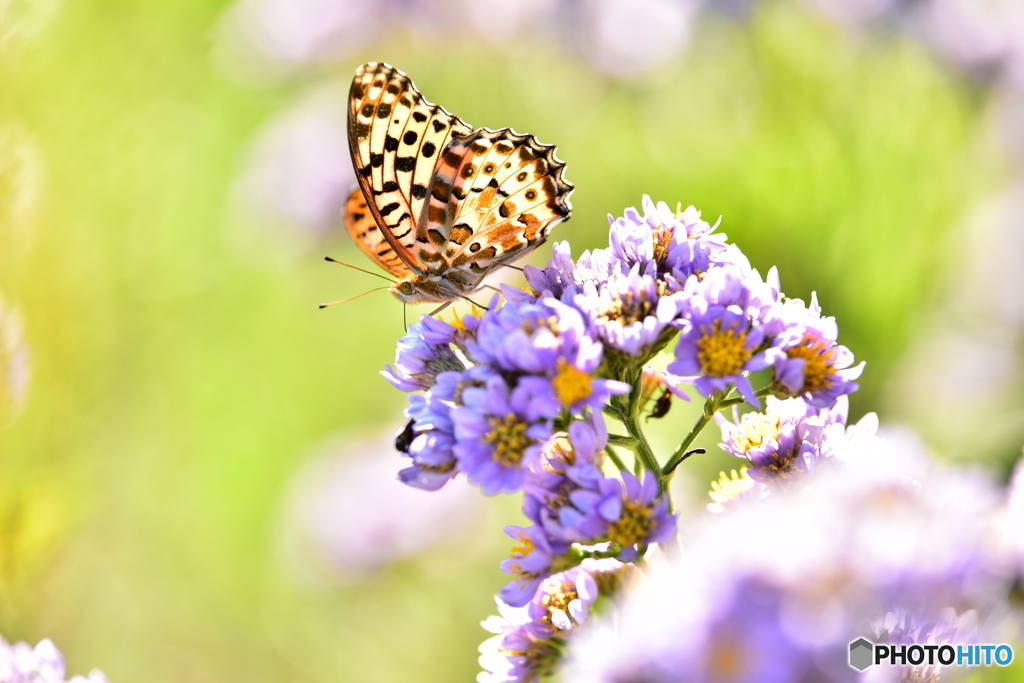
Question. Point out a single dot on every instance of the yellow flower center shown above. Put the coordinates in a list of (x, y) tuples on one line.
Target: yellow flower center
[(571, 385), (508, 435), (819, 362), (730, 486), (632, 526), (755, 429), (457, 322), (725, 662), (629, 307), (557, 598), (722, 352)]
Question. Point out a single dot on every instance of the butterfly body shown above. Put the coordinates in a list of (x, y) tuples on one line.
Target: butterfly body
[(441, 205)]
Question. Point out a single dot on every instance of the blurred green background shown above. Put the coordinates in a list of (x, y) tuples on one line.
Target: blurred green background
[(181, 375)]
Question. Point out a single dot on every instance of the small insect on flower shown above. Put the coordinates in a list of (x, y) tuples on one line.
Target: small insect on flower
[(440, 205)]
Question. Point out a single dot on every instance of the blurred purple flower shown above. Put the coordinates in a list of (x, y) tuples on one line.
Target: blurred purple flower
[(628, 39), (514, 655), (347, 509), (297, 174), (22, 663), (900, 627), (775, 589), (14, 363), (263, 40)]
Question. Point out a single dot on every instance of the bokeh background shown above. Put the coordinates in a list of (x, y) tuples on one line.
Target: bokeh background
[(196, 471)]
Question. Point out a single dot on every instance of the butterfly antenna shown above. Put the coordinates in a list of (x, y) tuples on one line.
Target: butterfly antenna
[(368, 272), (405, 316), (345, 301)]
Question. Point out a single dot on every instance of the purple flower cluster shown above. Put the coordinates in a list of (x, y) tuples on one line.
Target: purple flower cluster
[(516, 398), (530, 638), (776, 589), (22, 663), (669, 273), (785, 442)]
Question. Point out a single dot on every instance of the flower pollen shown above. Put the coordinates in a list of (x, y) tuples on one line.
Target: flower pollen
[(755, 429), (571, 384), (722, 353), (819, 362), (557, 598), (509, 437), (632, 526)]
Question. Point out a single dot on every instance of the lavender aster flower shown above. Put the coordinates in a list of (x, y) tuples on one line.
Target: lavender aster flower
[(626, 512), (531, 560), (778, 588), (662, 242), (722, 336), (514, 655), (432, 443), (545, 339), (568, 464), (423, 353), (500, 431), (781, 444), (630, 312), (813, 365), (563, 600)]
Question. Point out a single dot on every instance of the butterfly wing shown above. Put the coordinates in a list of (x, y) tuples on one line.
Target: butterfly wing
[(495, 197), (364, 231), (396, 137)]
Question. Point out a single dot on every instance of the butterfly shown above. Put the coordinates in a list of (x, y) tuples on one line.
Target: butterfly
[(440, 205)]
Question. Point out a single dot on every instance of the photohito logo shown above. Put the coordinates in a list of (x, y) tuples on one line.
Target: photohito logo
[(864, 653)]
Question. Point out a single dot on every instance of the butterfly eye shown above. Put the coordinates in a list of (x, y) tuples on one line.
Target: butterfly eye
[(405, 287)]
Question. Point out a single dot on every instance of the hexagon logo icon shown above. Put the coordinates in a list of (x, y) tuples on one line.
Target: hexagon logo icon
[(861, 654)]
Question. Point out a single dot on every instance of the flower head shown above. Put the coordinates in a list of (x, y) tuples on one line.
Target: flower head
[(500, 431), (812, 364), (423, 353), (672, 246), (782, 443)]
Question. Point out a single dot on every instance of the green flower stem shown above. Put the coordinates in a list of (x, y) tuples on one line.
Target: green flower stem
[(630, 416), (716, 402), (614, 457), (620, 440)]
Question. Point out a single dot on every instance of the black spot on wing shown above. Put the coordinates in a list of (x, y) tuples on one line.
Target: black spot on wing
[(390, 144), (389, 208), (438, 125), (384, 110), (419, 117), (419, 191), (405, 164), (428, 148), (410, 137)]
